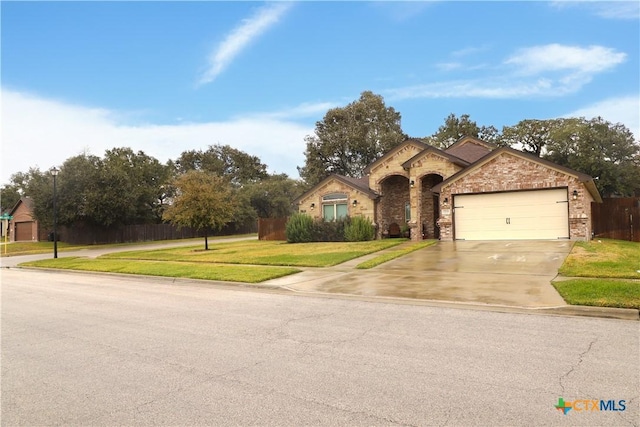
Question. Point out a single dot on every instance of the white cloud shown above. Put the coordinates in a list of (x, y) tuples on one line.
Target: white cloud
[(629, 9), (625, 110), (549, 70), (42, 133), (303, 110), (241, 37), (448, 66), (493, 89), (469, 51), (557, 57)]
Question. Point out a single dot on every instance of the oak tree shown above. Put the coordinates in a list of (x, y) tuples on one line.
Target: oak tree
[(203, 202), (349, 138), (234, 165), (455, 127)]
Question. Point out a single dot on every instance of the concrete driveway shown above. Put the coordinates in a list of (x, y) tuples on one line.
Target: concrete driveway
[(508, 273)]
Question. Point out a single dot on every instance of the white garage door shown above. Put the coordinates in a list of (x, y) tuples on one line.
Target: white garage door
[(541, 214)]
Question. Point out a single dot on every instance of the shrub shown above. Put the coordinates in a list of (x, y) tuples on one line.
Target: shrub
[(330, 231), (359, 229), (300, 228)]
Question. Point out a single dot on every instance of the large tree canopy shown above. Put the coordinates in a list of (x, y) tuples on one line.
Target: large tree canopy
[(234, 165), (455, 127), (531, 136), (273, 197), (349, 138), (124, 187), (11, 193), (203, 202), (606, 151)]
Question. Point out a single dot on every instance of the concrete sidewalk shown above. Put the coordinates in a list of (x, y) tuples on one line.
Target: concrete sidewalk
[(13, 261)]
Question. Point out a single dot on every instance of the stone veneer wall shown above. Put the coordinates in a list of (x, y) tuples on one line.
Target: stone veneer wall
[(392, 166), (428, 164), (509, 172), (428, 206), (365, 206), (388, 168), (394, 195)]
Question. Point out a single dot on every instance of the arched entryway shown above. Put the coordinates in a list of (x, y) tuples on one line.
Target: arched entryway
[(394, 207), (430, 206)]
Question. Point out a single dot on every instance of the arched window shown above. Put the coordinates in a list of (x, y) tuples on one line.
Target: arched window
[(334, 206)]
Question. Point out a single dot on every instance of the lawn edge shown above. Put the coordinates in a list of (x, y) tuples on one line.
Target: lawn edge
[(149, 276)]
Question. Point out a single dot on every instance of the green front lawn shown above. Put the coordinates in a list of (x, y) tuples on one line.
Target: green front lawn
[(600, 267), (600, 292), (318, 254), (603, 258), (223, 260), (189, 270)]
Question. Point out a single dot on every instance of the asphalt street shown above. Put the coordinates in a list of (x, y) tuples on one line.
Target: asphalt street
[(81, 349)]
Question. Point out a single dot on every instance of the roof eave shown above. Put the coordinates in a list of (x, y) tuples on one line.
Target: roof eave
[(584, 178), (367, 191), (450, 157)]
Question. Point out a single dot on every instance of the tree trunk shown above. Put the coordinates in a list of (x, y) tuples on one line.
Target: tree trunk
[(206, 240)]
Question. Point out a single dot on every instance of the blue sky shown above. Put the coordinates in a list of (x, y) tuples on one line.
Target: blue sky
[(166, 77)]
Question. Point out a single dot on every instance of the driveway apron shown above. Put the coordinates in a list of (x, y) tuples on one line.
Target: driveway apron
[(509, 273)]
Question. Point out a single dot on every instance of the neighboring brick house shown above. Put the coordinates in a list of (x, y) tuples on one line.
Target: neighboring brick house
[(23, 227), (473, 190)]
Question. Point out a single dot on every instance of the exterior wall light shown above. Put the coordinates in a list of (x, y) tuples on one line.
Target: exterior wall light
[(446, 200), (313, 205), (575, 194), (412, 183), (354, 203)]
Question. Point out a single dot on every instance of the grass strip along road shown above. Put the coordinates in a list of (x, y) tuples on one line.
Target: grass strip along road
[(242, 261), (607, 274)]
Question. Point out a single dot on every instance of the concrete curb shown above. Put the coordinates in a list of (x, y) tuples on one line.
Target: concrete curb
[(589, 311), (166, 279), (568, 310)]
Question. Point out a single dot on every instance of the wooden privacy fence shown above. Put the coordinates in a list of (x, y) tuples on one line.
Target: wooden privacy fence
[(272, 228), (88, 235), (617, 218)]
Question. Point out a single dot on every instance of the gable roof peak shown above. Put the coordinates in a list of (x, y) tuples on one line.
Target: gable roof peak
[(582, 177), (26, 200), (416, 142), (470, 149), (435, 150), (473, 140)]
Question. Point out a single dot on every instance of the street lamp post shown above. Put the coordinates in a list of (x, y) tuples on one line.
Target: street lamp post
[(54, 172)]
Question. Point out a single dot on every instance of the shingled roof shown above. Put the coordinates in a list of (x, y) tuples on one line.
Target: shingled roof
[(452, 158), (470, 149)]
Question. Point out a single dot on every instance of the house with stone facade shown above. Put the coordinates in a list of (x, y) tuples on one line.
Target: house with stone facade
[(472, 190)]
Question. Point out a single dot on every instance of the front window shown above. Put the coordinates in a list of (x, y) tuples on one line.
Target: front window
[(334, 206)]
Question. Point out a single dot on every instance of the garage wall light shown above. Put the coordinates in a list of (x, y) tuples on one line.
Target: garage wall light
[(575, 194), (412, 183), (313, 205)]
